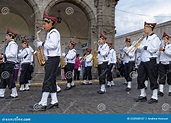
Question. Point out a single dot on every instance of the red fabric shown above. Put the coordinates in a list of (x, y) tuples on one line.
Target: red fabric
[(77, 63), (49, 17)]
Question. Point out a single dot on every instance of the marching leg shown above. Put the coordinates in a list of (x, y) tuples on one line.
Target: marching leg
[(2, 92), (54, 101)]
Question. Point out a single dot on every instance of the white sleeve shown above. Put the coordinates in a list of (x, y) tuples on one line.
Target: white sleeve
[(104, 51), (71, 55), (53, 41), (168, 50), (114, 56), (22, 54), (13, 50), (154, 45)]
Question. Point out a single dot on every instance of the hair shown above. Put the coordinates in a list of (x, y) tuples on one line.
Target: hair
[(77, 55), (11, 36)]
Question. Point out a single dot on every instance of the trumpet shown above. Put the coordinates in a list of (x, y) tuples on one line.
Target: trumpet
[(135, 45), (39, 51)]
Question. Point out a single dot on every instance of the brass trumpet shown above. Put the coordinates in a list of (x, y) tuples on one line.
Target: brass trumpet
[(135, 45), (95, 59), (62, 59)]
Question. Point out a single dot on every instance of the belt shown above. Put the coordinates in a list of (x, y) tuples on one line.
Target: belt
[(10, 62), (50, 57)]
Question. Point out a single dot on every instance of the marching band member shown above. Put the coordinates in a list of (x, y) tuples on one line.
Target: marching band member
[(129, 60), (111, 64), (31, 68), (88, 67), (11, 51), (52, 52), (148, 67), (164, 65), (25, 56), (70, 61), (103, 51)]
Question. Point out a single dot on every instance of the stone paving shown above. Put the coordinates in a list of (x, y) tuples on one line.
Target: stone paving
[(83, 99)]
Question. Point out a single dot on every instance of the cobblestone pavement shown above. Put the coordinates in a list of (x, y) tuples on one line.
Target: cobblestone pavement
[(83, 99)]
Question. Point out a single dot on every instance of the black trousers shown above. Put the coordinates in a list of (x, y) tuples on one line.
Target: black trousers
[(51, 68), (164, 71), (76, 74), (109, 73), (7, 76), (148, 70), (102, 72), (128, 68), (31, 70), (88, 73), (68, 72), (24, 73)]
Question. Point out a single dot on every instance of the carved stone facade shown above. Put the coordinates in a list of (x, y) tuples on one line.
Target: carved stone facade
[(82, 20)]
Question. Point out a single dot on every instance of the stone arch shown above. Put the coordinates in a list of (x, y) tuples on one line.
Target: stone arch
[(86, 9)]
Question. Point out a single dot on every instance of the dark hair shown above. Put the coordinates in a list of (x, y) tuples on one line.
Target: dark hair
[(11, 36), (77, 55)]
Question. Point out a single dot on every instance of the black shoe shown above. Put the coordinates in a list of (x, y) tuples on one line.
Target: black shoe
[(169, 94), (52, 106), (58, 91), (125, 83), (141, 99), (145, 88), (83, 84), (101, 92), (127, 89), (160, 93), (1, 97), (151, 101), (67, 88), (89, 83), (38, 107)]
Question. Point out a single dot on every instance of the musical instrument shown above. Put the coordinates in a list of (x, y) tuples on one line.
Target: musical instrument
[(94, 58), (134, 46), (62, 59), (39, 51)]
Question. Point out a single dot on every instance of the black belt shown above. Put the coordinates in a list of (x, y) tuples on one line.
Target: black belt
[(10, 62), (51, 57)]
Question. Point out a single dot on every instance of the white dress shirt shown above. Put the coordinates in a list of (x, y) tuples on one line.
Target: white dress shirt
[(152, 42), (88, 60), (103, 52), (11, 51)]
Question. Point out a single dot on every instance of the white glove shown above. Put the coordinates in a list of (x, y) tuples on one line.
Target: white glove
[(63, 54), (20, 51), (39, 43)]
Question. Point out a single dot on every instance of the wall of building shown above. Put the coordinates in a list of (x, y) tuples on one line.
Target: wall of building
[(159, 29)]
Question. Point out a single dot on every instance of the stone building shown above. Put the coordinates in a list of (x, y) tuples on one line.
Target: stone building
[(82, 20), (159, 29)]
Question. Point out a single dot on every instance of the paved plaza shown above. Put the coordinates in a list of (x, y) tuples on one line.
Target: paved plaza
[(83, 99)]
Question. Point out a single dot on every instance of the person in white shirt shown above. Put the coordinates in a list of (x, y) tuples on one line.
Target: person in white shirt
[(70, 61), (25, 57), (148, 49), (52, 53), (103, 52), (31, 68), (111, 64), (10, 56), (129, 60), (88, 66), (164, 68)]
